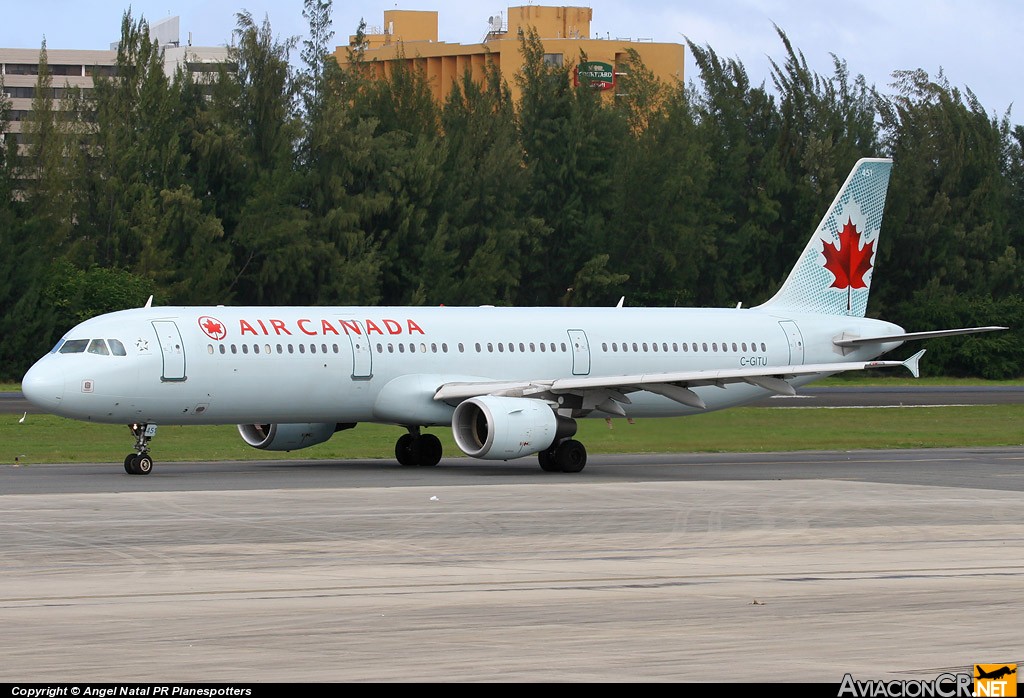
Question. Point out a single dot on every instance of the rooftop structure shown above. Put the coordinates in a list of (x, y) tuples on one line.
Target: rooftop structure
[(412, 37)]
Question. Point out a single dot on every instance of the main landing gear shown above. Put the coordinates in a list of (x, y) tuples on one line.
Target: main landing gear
[(139, 463), (415, 448), (566, 456)]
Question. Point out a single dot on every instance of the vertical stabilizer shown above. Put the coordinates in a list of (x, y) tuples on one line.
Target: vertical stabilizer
[(833, 274)]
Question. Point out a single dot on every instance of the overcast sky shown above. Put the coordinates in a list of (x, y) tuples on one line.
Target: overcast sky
[(976, 43)]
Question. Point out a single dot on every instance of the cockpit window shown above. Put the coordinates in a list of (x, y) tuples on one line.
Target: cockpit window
[(98, 346), (56, 346), (74, 346)]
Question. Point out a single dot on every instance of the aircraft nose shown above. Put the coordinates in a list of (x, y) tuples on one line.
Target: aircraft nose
[(43, 386)]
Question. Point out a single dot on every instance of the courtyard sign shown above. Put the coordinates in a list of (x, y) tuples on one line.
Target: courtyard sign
[(596, 74)]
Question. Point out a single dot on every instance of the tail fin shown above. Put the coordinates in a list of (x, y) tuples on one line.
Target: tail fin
[(833, 274)]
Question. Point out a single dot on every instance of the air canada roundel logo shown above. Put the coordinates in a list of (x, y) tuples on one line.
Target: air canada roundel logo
[(212, 327)]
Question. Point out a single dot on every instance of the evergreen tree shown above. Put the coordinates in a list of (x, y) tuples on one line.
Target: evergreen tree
[(273, 263), (570, 145), (403, 179), (41, 237), (43, 170), (338, 196), (137, 150), (475, 254), (12, 338), (951, 194), (740, 123), (662, 236)]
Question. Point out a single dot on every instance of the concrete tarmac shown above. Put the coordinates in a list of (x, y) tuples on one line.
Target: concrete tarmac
[(787, 567)]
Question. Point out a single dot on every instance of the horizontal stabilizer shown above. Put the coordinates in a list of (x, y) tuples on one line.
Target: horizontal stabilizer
[(908, 336), (913, 362)]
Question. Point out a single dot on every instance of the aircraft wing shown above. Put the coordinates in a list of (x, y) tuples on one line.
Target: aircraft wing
[(602, 392)]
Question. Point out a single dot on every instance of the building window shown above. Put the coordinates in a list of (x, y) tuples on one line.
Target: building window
[(553, 59), (107, 71), (22, 69)]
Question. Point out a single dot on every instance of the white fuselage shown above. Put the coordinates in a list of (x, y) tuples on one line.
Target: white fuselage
[(233, 365)]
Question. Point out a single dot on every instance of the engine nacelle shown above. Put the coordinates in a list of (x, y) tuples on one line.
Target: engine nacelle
[(287, 437), (502, 428)]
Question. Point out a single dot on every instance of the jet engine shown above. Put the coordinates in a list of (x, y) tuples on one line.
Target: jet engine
[(502, 428), (287, 437)]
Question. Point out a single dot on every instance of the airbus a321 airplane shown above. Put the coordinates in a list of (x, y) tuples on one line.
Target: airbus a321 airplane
[(510, 382)]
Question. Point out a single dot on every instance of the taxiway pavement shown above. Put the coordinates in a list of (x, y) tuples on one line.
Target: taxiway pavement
[(787, 567)]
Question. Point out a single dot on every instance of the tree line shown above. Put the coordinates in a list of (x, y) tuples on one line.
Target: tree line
[(319, 185)]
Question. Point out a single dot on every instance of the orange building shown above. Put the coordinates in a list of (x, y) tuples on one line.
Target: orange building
[(411, 36)]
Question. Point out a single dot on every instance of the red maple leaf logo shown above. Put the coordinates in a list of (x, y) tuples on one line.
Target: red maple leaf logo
[(847, 262), (213, 328)]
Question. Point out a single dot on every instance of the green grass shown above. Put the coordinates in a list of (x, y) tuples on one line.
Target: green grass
[(49, 439)]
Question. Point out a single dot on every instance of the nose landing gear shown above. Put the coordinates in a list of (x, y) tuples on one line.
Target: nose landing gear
[(139, 463)]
